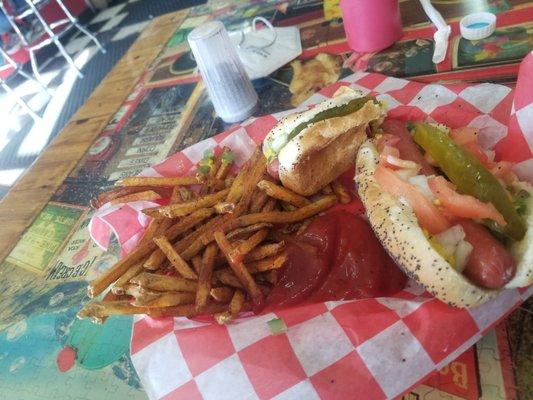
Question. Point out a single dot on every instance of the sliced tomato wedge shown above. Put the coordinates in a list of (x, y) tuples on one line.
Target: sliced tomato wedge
[(464, 135), (428, 215), (408, 149), (461, 205), (504, 170)]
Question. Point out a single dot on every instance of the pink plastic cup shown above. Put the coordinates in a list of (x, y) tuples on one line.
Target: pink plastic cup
[(371, 25)]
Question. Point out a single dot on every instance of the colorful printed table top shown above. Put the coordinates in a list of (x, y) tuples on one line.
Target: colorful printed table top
[(43, 280)]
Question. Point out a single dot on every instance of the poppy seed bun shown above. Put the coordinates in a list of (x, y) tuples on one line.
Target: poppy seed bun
[(324, 149), (397, 228), (523, 250)]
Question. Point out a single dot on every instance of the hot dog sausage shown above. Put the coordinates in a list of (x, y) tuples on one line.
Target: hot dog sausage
[(490, 264)]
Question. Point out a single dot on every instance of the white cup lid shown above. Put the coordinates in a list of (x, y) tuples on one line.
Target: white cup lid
[(478, 26)]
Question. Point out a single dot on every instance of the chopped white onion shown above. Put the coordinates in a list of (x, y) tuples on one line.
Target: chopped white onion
[(406, 173), (421, 182), (278, 142), (462, 252), (490, 154), (451, 236), (398, 162)]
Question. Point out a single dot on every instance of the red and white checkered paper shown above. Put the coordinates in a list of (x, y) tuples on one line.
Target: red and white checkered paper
[(362, 349)]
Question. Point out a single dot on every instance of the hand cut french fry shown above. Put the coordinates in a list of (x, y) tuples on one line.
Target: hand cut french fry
[(282, 217), (188, 222), (223, 318), (157, 257), (227, 277), (235, 191), (190, 246), (151, 231), (155, 260), (237, 302), (224, 207), (252, 176), (148, 195), (266, 264), (223, 171), (159, 181), (109, 296), (179, 264), (234, 308), (187, 310), (175, 197), (205, 276), (97, 310), (249, 244), (110, 195), (222, 294), (238, 268), (98, 285), (167, 299), (264, 251), (119, 286), (327, 189), (258, 201), (226, 158), (283, 194), (141, 295), (229, 181), (182, 209), (243, 232), (196, 262), (163, 283), (340, 191), (186, 194)]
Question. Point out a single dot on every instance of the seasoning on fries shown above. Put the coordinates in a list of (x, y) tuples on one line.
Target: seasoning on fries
[(283, 194), (159, 181), (340, 191), (148, 195), (181, 266), (181, 209), (238, 268), (205, 276), (164, 283), (210, 250), (222, 294)]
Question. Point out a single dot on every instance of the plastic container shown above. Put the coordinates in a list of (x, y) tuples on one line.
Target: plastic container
[(371, 25), (478, 26), (225, 78)]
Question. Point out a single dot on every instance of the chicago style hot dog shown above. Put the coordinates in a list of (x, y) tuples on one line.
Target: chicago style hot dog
[(456, 221), (310, 149)]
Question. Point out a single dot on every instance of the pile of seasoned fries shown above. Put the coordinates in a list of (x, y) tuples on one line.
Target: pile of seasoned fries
[(212, 249)]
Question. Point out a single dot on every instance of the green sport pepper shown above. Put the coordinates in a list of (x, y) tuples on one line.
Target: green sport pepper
[(338, 111), (469, 175)]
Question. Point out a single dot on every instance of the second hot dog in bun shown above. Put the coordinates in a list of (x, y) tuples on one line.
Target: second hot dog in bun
[(460, 224), (312, 148)]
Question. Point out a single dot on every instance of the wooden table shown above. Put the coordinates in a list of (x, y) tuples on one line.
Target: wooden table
[(71, 160)]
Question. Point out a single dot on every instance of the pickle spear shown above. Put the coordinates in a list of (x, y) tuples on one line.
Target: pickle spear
[(469, 175), (338, 111)]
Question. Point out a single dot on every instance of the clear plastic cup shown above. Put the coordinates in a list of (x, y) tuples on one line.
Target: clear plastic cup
[(225, 78)]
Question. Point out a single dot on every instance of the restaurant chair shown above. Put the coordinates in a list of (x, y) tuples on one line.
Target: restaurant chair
[(51, 33), (10, 64)]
